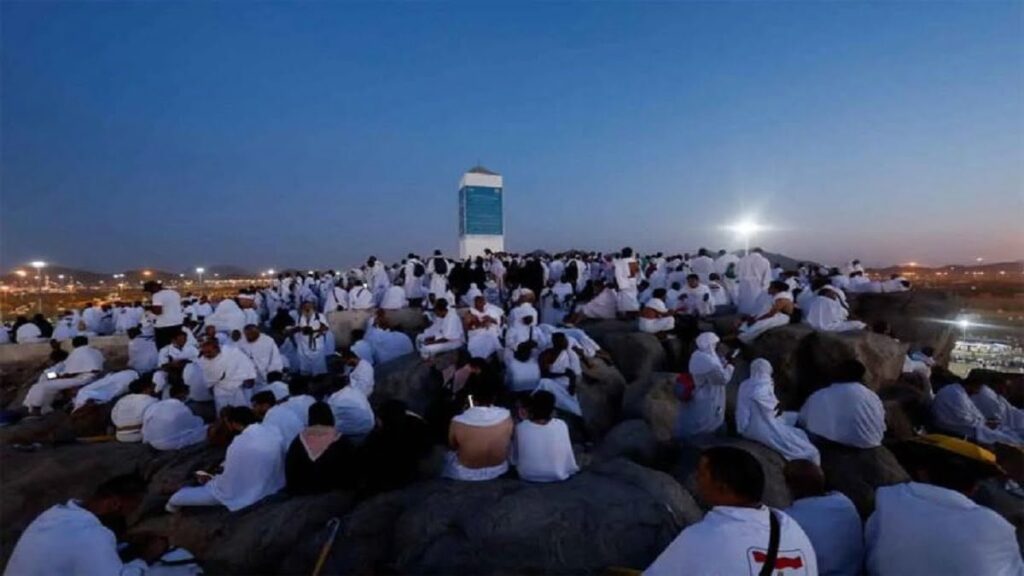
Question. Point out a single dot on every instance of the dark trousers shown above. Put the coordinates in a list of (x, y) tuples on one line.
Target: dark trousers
[(163, 336)]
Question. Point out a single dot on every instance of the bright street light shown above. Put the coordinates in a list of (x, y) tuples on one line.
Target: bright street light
[(964, 324), (37, 264), (745, 229), (199, 272)]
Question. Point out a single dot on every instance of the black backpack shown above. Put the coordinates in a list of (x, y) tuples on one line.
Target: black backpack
[(418, 270), (440, 266)]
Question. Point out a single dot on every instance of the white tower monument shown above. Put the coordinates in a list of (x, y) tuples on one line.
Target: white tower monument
[(481, 214)]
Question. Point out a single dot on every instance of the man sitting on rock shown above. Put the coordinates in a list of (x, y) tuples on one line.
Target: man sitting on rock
[(603, 306), (128, 412), (269, 413), (443, 335), (846, 412), (734, 536), (542, 451), (779, 314), (655, 317), (79, 537), (931, 525), (996, 408), (953, 412), (560, 371), (480, 437), (253, 468), (695, 298), (170, 424), (142, 352), (178, 363), (829, 519), (483, 325), (827, 312), (353, 415), (81, 367)]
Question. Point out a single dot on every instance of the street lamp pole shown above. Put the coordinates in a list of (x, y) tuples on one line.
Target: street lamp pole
[(39, 265), (199, 272)]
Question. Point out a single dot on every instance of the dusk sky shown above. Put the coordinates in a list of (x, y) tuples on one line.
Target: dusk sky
[(173, 134)]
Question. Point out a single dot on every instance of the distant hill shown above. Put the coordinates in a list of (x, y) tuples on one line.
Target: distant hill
[(229, 272), (136, 276), (993, 268)]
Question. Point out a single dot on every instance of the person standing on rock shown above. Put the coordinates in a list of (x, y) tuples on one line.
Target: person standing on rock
[(739, 535), (627, 275), (704, 411), (753, 275), (165, 305)]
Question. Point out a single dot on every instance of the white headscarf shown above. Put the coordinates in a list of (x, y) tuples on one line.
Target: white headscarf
[(761, 369), (760, 373), (705, 358)]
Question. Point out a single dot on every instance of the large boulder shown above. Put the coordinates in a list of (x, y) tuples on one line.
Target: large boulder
[(858, 472), (600, 393), (599, 330), (804, 359), (922, 317), (342, 323), (881, 355), (787, 348), (636, 354), (613, 514), (653, 400), (776, 493), (255, 540), (631, 439), (411, 380)]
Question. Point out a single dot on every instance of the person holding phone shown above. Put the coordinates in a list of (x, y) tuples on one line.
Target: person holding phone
[(83, 365)]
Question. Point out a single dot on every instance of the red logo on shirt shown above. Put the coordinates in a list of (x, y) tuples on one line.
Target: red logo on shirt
[(787, 562)]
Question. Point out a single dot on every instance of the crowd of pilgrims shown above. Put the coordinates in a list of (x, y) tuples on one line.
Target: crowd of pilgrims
[(505, 336)]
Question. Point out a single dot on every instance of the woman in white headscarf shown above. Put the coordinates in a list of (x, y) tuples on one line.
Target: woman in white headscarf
[(758, 417), (704, 412)]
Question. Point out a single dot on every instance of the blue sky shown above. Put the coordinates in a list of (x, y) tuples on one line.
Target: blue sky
[(171, 134)]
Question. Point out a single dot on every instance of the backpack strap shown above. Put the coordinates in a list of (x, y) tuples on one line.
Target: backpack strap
[(773, 544)]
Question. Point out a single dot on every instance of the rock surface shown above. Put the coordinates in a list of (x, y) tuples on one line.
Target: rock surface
[(803, 359), (613, 514), (924, 317), (858, 472), (636, 354), (630, 439), (653, 400)]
